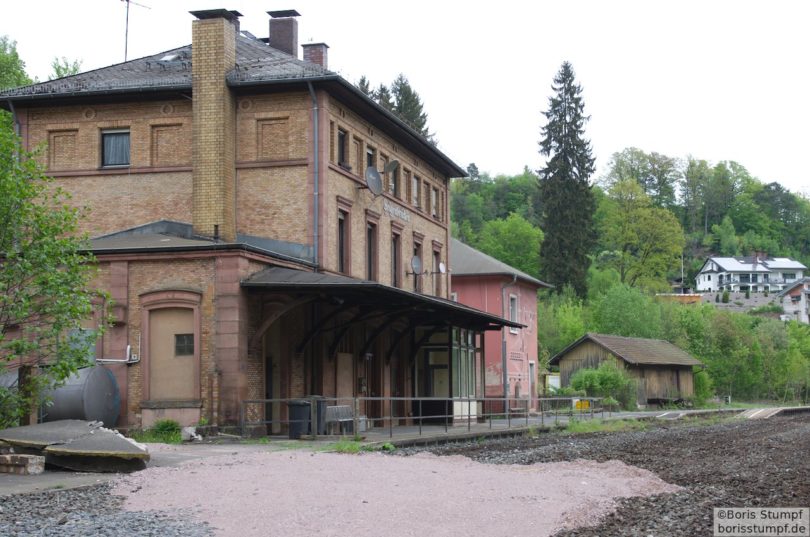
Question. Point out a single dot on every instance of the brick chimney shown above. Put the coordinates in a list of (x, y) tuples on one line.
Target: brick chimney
[(284, 31), (316, 53), (213, 45)]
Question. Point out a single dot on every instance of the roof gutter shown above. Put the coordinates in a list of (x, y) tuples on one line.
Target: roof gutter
[(115, 91)]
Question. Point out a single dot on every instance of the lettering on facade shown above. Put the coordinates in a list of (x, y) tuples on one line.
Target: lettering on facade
[(396, 211)]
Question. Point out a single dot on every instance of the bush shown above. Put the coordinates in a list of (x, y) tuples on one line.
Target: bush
[(717, 298), (166, 427), (747, 294), (568, 392), (703, 386), (608, 380), (725, 297)]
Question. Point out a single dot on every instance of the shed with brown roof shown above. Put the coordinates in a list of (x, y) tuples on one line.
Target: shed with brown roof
[(662, 370)]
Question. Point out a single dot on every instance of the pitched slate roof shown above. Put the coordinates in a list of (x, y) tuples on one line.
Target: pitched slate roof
[(257, 64), (635, 350), (172, 70), (466, 261)]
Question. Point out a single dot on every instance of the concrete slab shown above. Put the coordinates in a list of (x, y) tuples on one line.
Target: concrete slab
[(42, 435), (78, 445)]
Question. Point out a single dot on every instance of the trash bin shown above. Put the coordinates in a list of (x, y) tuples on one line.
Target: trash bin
[(299, 418), (320, 412)]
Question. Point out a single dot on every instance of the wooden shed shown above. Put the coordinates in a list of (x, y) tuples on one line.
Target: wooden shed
[(663, 371)]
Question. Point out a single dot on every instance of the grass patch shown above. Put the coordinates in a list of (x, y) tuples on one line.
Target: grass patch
[(346, 446), (163, 432), (257, 440), (604, 426), (354, 447)]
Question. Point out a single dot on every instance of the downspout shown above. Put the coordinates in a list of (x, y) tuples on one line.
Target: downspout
[(316, 164), (504, 372)]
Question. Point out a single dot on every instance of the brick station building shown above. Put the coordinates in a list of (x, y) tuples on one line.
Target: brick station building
[(235, 232)]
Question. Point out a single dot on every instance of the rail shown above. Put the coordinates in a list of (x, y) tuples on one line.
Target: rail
[(411, 416)]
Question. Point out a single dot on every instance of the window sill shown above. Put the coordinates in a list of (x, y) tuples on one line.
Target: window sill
[(114, 167)]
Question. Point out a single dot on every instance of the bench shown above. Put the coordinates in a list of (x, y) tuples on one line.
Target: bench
[(340, 415)]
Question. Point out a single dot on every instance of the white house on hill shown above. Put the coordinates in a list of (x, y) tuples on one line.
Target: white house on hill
[(755, 273)]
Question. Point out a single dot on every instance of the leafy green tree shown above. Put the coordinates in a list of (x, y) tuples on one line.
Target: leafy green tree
[(626, 311), (44, 280), (12, 74), (719, 194), (693, 188), (647, 241), (64, 67), (568, 203), (600, 280), (12, 68), (562, 318), (657, 174), (514, 240)]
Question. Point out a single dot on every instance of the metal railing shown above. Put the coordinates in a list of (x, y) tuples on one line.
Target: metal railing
[(414, 416)]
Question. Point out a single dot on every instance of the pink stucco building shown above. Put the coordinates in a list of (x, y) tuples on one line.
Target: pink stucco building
[(483, 282)]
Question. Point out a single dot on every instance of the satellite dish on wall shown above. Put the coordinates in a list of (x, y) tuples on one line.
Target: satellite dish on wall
[(391, 166), (374, 181), (442, 268), (416, 264)]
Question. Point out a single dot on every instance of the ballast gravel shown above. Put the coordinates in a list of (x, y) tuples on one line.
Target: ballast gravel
[(85, 512)]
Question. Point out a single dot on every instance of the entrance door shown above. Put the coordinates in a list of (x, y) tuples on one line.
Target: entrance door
[(437, 384)]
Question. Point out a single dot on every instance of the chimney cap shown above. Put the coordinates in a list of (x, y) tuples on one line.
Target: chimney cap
[(283, 13), (230, 15), (315, 45)]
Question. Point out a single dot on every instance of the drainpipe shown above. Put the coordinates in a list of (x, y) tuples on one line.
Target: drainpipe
[(503, 339), (316, 163)]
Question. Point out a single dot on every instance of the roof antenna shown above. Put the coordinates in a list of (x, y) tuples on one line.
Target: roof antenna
[(126, 29)]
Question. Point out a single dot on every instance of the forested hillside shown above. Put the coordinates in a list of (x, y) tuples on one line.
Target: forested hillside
[(651, 209)]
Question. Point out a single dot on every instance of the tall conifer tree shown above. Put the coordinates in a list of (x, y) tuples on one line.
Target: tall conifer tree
[(567, 200)]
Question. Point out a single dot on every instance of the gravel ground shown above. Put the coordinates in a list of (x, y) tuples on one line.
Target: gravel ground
[(85, 512), (738, 463), (553, 483), (300, 493)]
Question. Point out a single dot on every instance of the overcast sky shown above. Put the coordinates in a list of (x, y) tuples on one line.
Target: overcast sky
[(718, 80)]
